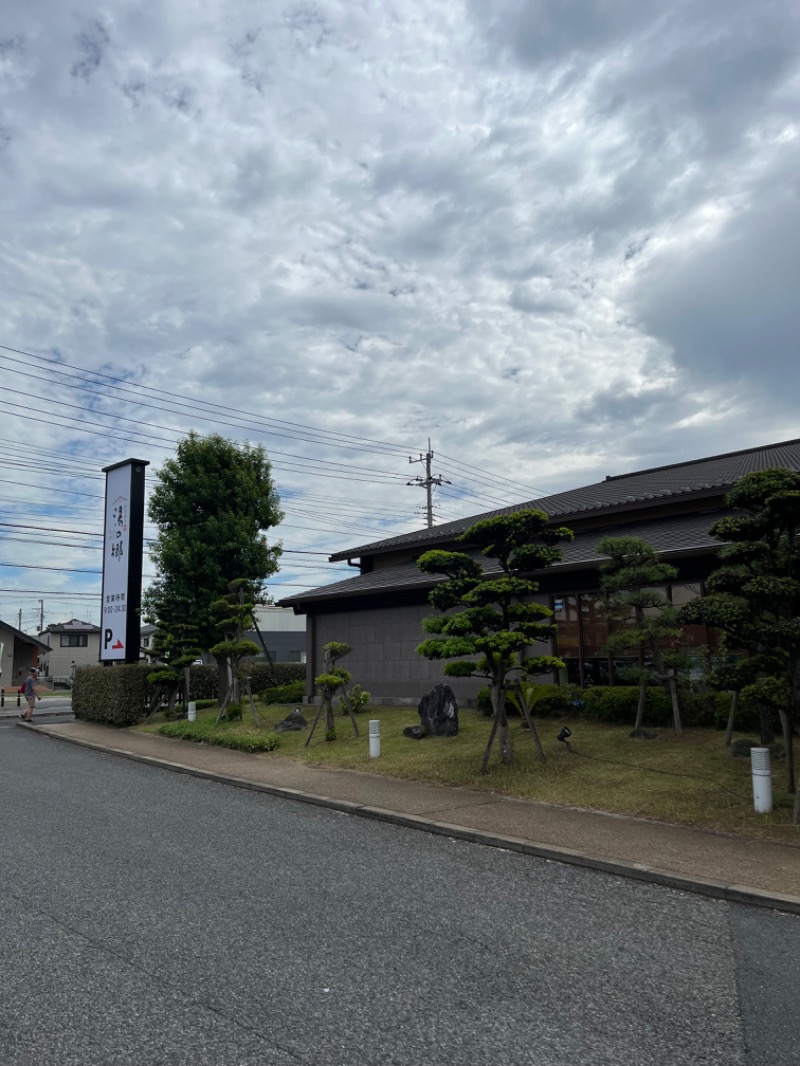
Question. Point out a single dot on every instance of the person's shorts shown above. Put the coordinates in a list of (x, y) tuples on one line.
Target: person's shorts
[(31, 701)]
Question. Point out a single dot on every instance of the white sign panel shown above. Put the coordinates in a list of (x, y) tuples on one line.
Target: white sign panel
[(116, 559)]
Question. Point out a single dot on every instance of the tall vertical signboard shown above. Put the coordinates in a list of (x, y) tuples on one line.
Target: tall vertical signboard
[(120, 624)]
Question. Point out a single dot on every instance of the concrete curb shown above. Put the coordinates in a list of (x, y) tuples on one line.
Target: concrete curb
[(730, 893)]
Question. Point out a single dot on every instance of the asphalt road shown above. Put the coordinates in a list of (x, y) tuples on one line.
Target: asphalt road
[(153, 918)]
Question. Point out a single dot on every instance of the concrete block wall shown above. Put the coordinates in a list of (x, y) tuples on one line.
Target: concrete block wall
[(383, 657)]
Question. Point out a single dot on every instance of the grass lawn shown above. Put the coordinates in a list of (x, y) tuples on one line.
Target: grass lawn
[(691, 780)]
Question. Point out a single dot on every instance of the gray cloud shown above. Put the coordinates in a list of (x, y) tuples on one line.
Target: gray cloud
[(556, 238)]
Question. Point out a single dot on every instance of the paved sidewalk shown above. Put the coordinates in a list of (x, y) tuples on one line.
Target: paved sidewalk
[(713, 864)]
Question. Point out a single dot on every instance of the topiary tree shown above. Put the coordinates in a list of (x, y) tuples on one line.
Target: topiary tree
[(488, 623), (754, 597), (646, 618), (330, 681), (174, 649), (238, 616)]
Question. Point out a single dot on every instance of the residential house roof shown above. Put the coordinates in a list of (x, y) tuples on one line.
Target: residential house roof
[(25, 637), (73, 626)]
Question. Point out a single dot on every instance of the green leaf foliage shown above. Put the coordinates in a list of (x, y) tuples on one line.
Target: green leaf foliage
[(212, 504), (753, 596), (487, 618)]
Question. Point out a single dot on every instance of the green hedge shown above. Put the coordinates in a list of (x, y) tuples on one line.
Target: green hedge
[(618, 703), (560, 700), (699, 710), (120, 695), (292, 693), (205, 679), (116, 695)]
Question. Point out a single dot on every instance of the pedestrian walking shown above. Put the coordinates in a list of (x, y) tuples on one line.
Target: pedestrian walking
[(31, 693)]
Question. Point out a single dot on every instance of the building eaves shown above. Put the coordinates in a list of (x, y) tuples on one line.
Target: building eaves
[(26, 637), (669, 536)]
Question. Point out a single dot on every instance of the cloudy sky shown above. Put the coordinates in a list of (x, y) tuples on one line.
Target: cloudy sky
[(559, 238)]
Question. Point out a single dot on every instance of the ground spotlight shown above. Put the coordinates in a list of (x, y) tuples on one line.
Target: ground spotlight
[(562, 736)]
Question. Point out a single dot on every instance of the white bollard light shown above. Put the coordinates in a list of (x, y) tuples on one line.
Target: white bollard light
[(192, 712), (762, 780), (374, 738)]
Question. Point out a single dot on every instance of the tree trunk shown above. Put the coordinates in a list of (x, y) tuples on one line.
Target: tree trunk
[(731, 718), (796, 812), (676, 707), (330, 725), (765, 728), (787, 724), (531, 727), (504, 733), (642, 698), (488, 752)]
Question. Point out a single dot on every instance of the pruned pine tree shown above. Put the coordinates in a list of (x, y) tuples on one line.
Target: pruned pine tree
[(642, 618), (333, 679), (237, 609), (754, 597), (487, 623), (174, 648)]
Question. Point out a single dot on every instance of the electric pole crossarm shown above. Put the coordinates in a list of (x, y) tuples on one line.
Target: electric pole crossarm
[(428, 481)]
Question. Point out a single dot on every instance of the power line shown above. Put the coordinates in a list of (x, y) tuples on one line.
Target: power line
[(125, 385)]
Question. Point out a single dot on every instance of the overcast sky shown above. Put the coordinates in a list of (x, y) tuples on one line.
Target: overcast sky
[(558, 237)]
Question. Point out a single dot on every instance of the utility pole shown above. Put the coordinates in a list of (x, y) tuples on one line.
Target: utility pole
[(19, 620), (428, 481), (41, 616)]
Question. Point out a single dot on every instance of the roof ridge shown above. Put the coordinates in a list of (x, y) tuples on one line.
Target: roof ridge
[(705, 459)]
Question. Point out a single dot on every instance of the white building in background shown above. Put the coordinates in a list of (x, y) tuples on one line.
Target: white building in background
[(283, 633), (72, 644)]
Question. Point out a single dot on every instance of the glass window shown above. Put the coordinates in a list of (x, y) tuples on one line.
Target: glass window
[(595, 623), (565, 616), (74, 640), (685, 593)]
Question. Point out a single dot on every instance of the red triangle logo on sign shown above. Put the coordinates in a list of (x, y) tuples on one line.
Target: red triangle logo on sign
[(119, 644)]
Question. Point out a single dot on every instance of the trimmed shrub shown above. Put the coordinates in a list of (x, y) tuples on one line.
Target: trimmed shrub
[(205, 679), (618, 703), (560, 700), (208, 733), (292, 693), (116, 695)]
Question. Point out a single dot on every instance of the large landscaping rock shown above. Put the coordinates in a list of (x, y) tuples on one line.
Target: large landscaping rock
[(292, 723), (438, 712)]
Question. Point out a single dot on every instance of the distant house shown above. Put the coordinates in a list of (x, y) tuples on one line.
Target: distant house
[(72, 644), (379, 610), (283, 633), (146, 640), (18, 653)]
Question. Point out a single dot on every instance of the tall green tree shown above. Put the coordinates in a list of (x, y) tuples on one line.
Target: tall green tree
[(754, 597), (213, 504), (487, 624), (641, 617)]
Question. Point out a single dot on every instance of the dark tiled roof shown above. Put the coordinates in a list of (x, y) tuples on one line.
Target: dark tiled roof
[(73, 626), (672, 536), (719, 472)]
